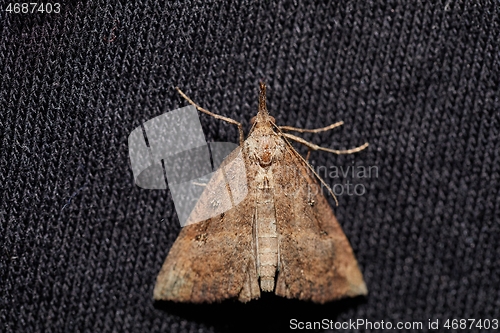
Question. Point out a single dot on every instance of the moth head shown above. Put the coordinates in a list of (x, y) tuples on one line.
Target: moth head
[(255, 120)]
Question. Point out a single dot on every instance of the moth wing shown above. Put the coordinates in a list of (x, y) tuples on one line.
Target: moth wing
[(316, 260), (214, 259)]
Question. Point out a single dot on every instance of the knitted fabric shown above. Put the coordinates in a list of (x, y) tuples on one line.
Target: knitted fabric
[(81, 244)]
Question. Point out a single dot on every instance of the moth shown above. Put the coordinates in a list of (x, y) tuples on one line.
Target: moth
[(282, 237)]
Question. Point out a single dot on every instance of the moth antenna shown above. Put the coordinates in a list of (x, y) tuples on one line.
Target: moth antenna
[(314, 130), (308, 165), (216, 116)]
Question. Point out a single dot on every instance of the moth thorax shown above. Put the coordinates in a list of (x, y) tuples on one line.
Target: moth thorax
[(266, 149)]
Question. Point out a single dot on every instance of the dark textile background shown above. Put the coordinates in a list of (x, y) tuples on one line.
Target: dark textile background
[(81, 245)]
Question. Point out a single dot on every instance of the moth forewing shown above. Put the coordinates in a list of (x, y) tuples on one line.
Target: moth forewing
[(317, 261), (226, 189)]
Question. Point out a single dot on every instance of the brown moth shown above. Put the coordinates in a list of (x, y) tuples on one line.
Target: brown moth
[(282, 237)]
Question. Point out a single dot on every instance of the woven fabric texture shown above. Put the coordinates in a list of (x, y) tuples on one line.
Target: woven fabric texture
[(81, 245)]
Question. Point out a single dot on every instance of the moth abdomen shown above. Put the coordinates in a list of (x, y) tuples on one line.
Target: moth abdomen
[(266, 232)]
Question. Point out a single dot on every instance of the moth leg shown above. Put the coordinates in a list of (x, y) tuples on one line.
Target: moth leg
[(308, 154), (312, 146), (315, 130), (216, 116)]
